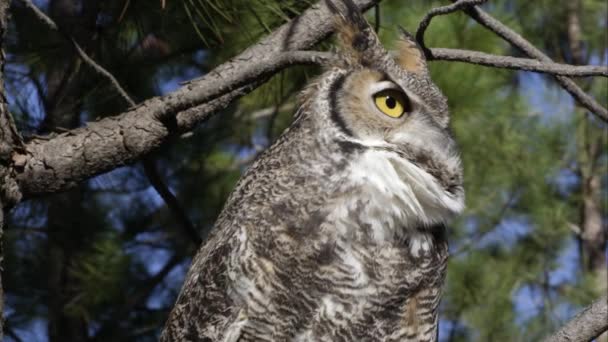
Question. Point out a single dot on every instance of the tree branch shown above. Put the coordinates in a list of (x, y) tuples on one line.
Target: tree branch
[(172, 203), (530, 50), (8, 141), (148, 164), (508, 62), (69, 158), (586, 325), (486, 20), (83, 55), (426, 20)]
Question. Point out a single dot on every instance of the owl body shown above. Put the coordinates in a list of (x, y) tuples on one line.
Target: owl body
[(336, 232)]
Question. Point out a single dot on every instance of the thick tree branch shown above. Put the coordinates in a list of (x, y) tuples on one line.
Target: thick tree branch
[(9, 139), (69, 158), (586, 325), (530, 50), (508, 62), (148, 164)]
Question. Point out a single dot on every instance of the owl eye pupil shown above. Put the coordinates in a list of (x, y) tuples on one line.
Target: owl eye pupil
[(390, 102)]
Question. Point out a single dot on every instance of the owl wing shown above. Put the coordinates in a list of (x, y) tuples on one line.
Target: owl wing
[(206, 282)]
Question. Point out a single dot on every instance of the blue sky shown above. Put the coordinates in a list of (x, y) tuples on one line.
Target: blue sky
[(546, 100)]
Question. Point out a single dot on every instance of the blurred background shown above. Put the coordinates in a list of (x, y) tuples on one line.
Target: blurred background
[(105, 261)]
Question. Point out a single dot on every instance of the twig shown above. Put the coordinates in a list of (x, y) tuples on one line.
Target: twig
[(149, 166), (136, 132), (426, 21), (171, 201), (530, 50), (588, 324), (508, 62), (43, 17), (103, 72), (83, 55)]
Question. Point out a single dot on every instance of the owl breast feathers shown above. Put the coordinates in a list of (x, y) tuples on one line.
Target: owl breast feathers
[(336, 232)]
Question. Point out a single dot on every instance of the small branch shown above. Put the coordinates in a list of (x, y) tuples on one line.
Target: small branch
[(114, 141), (43, 17), (171, 201), (530, 50), (508, 62), (426, 21), (588, 324), (83, 55), (103, 72), (149, 165)]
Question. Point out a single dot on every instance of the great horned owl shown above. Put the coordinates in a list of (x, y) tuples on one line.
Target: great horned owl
[(336, 232)]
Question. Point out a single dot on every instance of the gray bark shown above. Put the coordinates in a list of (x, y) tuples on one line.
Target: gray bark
[(64, 160), (9, 143), (508, 62), (585, 326), (63, 104)]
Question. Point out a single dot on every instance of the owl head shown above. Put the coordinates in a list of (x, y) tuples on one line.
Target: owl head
[(373, 99)]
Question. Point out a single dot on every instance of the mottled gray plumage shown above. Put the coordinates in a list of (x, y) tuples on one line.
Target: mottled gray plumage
[(336, 232)]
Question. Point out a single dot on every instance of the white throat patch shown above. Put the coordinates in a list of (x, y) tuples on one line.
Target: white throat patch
[(402, 196)]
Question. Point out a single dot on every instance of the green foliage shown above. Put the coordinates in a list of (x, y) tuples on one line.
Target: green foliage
[(111, 240), (98, 277)]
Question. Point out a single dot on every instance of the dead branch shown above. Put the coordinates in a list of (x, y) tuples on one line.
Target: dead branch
[(530, 50), (123, 139), (508, 62), (489, 22), (83, 55), (588, 324), (426, 20), (149, 165), (69, 158)]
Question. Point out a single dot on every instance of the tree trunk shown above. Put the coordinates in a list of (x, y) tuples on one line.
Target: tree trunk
[(590, 139), (10, 141), (593, 236)]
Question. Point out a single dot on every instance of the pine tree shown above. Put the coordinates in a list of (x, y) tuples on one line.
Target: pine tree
[(105, 260)]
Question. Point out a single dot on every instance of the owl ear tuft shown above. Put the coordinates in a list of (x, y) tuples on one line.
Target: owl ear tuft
[(354, 33), (410, 55)]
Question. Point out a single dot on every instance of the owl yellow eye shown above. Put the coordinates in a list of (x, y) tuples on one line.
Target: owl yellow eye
[(392, 102)]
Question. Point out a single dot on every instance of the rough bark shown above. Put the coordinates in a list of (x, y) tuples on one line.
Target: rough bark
[(66, 239), (67, 159), (585, 326), (508, 62), (60, 162), (10, 141)]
